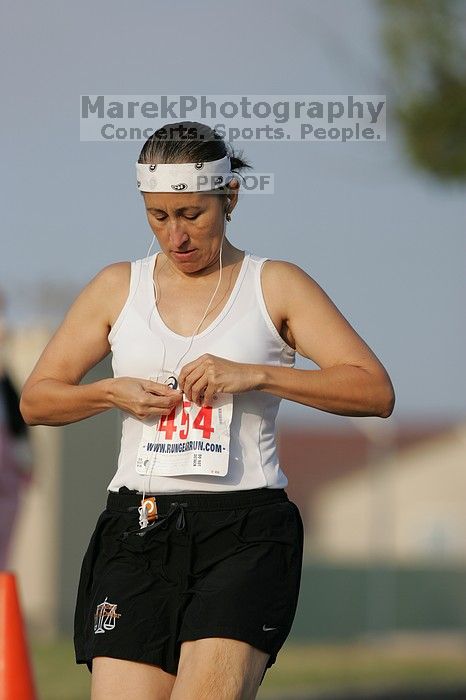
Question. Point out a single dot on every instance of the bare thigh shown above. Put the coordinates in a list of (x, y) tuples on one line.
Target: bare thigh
[(124, 680), (217, 668)]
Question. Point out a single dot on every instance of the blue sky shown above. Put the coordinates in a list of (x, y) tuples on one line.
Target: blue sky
[(386, 242)]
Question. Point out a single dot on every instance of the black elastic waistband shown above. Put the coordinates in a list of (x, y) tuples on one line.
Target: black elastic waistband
[(223, 500)]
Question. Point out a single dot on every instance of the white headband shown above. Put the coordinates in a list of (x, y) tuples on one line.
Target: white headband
[(184, 177)]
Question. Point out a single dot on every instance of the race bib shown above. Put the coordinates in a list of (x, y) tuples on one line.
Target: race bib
[(191, 440)]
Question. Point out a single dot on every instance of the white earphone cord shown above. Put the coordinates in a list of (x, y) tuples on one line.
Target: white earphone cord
[(143, 515)]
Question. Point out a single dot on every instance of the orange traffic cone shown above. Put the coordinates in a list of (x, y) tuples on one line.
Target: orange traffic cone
[(16, 679)]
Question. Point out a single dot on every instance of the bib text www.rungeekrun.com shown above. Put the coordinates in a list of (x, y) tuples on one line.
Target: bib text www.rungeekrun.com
[(183, 447)]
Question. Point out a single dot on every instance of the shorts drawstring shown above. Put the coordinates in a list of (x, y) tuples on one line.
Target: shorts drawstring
[(181, 522), (162, 523)]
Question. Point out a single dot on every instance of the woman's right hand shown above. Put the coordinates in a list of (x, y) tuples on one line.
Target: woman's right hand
[(143, 397)]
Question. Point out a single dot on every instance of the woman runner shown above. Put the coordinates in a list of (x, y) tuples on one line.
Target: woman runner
[(190, 581)]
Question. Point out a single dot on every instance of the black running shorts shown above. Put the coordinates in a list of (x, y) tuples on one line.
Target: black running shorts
[(222, 564)]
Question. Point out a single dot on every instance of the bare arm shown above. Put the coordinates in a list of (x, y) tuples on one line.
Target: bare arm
[(53, 395), (351, 380)]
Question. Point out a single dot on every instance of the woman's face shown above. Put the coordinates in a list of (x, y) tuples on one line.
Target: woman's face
[(188, 225)]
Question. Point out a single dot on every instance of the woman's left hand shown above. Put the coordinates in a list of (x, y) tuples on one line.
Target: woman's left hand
[(204, 378)]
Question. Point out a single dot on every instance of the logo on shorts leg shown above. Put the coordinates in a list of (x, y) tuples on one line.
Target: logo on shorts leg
[(267, 629), (105, 617)]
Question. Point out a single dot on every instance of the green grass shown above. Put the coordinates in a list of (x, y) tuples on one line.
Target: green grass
[(57, 675), (309, 667), (361, 666)]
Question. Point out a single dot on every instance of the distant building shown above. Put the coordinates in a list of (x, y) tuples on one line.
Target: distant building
[(408, 506), (315, 457)]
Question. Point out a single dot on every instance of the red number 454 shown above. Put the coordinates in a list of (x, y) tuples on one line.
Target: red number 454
[(202, 421)]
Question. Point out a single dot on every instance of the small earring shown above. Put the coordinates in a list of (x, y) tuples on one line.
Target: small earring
[(228, 216)]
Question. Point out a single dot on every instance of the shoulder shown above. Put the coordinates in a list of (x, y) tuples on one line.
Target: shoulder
[(111, 286), (111, 280), (286, 289), (108, 279), (113, 274), (106, 291), (286, 280), (282, 269)]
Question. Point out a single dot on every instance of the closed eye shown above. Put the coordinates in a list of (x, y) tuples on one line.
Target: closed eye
[(162, 218)]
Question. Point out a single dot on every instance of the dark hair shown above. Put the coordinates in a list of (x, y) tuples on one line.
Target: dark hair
[(190, 142)]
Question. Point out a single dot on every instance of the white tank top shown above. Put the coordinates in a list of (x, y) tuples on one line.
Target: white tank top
[(242, 332)]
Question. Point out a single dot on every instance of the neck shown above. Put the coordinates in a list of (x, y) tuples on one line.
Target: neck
[(230, 255)]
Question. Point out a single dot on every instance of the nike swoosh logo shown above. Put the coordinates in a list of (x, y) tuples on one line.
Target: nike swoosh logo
[(266, 629)]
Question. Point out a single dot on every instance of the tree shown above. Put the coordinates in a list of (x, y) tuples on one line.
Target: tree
[(426, 44)]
